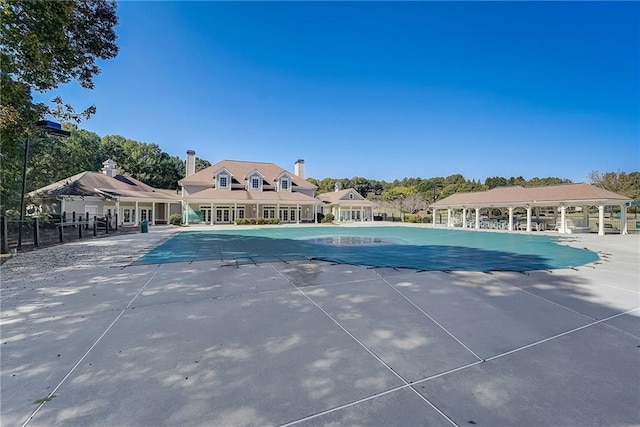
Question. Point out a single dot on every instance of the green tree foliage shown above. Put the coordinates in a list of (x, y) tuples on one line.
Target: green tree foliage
[(48, 43), (626, 184), (44, 44)]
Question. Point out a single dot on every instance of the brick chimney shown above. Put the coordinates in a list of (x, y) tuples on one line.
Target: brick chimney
[(299, 168), (191, 163)]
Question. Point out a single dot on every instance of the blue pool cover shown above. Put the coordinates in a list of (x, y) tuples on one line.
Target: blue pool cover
[(394, 247)]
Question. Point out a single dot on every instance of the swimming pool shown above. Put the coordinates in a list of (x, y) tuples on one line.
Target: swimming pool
[(391, 246)]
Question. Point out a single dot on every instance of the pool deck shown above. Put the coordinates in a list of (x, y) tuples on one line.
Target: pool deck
[(98, 342)]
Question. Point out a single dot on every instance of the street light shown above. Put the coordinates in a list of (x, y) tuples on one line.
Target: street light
[(52, 128)]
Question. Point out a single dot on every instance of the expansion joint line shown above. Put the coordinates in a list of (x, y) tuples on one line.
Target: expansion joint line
[(579, 328), (367, 349), (50, 395), (431, 318), (567, 308)]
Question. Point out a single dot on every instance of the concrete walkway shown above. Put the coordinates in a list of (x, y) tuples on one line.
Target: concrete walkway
[(97, 342)]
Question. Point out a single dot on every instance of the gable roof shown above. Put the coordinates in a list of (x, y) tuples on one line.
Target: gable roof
[(100, 185), (553, 195), (241, 170), (336, 197)]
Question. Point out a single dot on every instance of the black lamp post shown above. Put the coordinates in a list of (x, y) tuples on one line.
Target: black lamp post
[(52, 128)]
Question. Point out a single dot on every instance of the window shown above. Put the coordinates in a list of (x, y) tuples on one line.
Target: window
[(255, 183), (284, 184), (224, 181)]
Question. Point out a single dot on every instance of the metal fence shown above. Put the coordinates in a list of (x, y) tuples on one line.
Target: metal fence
[(36, 232)]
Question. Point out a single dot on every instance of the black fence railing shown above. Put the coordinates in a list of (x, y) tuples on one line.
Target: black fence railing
[(36, 232)]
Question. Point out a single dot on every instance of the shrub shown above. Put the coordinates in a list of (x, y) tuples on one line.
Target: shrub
[(175, 219), (328, 218)]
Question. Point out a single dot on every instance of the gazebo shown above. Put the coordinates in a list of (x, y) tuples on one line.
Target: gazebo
[(558, 198)]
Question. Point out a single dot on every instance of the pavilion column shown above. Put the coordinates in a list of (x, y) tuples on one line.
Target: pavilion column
[(339, 214), (448, 217), (185, 209), (137, 213), (563, 219), (212, 213), (433, 218), (278, 211), (510, 218), (477, 218), (623, 219), (153, 213), (601, 220), (167, 209), (464, 217), (315, 213), (298, 213), (361, 213), (118, 210), (257, 210), (235, 211), (528, 218)]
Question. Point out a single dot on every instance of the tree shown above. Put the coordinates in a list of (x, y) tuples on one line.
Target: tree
[(626, 184), (49, 43), (495, 181), (44, 44)]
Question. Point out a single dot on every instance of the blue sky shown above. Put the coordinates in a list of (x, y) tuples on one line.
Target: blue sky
[(383, 90)]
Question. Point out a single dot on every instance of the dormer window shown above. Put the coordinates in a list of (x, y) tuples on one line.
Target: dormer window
[(284, 184), (223, 181), (351, 195), (255, 183)]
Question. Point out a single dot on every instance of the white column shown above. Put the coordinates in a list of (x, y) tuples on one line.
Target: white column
[(153, 213), (563, 219), (257, 210), (477, 218), (623, 219), (118, 211), (185, 210), (212, 214), (448, 217), (528, 218), (137, 214), (361, 213), (278, 211), (464, 217), (167, 210), (601, 220), (315, 213), (339, 214), (235, 211), (298, 213), (433, 217), (510, 218)]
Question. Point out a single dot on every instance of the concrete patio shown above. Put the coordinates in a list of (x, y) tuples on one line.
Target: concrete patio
[(97, 342)]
